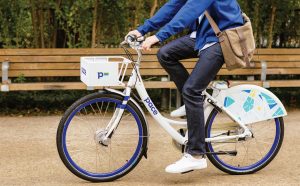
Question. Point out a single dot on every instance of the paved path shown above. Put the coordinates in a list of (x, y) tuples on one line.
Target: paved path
[(28, 156)]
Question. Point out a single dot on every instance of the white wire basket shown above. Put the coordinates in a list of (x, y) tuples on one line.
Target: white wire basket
[(103, 70)]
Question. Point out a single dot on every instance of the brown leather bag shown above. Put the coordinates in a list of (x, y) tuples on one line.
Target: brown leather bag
[(238, 44)]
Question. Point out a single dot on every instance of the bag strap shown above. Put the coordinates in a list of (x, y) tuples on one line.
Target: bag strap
[(219, 34), (213, 24)]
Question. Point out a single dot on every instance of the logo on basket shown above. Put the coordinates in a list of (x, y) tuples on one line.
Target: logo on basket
[(102, 74), (83, 70), (151, 106)]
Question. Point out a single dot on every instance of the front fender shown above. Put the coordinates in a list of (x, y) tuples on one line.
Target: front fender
[(251, 103)]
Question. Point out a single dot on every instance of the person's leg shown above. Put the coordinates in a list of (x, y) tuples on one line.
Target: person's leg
[(209, 64), (170, 54)]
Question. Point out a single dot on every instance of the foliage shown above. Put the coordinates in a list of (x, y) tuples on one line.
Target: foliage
[(285, 31), (57, 102), (38, 102), (20, 79), (103, 23)]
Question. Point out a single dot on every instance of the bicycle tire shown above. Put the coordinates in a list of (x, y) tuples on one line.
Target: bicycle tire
[(218, 163), (139, 153)]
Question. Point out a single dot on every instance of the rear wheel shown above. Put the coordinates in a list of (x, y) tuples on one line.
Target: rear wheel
[(253, 153), (80, 138)]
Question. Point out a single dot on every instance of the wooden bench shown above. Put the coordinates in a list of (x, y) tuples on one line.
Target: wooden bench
[(46, 64)]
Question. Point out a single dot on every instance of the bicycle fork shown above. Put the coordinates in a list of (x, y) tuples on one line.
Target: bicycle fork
[(117, 116)]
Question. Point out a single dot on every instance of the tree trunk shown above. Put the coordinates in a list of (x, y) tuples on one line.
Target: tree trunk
[(41, 25), (99, 22), (270, 36), (53, 19), (95, 18), (99, 31), (34, 24), (154, 7), (137, 13), (256, 21)]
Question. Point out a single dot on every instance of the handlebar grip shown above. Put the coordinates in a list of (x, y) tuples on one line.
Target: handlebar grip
[(131, 38)]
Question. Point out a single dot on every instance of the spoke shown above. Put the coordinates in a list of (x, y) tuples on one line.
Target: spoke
[(221, 144), (259, 150), (77, 117), (267, 143), (101, 108), (86, 113), (263, 133), (110, 155), (107, 153), (127, 134), (96, 168), (93, 109), (101, 161), (76, 153), (90, 128), (106, 109), (261, 127), (98, 108), (98, 123), (100, 112), (246, 153), (124, 117), (235, 159)]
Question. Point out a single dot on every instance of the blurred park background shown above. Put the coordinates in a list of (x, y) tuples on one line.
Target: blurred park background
[(104, 23)]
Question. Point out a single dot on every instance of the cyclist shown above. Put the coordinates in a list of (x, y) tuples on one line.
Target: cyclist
[(172, 18)]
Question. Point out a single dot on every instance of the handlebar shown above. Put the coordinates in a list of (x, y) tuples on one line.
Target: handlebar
[(133, 41)]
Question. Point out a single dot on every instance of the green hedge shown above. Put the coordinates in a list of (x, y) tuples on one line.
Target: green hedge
[(56, 102)]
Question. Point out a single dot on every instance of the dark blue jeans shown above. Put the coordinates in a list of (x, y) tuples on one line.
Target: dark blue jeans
[(191, 85)]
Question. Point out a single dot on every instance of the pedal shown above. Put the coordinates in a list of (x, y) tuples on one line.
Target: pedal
[(242, 139), (187, 172)]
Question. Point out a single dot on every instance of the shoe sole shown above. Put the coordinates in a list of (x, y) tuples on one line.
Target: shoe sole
[(184, 172), (187, 172)]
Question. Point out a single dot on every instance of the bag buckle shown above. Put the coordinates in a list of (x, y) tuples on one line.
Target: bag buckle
[(220, 34)]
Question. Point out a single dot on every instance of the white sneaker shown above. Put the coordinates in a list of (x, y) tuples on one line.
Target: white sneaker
[(186, 164), (179, 112)]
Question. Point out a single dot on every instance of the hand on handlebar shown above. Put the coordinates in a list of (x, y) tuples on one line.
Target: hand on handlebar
[(140, 42), (147, 44), (135, 33)]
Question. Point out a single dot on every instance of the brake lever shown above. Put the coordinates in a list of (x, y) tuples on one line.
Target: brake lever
[(140, 39)]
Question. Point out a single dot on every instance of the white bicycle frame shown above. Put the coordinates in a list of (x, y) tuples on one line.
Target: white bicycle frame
[(136, 82)]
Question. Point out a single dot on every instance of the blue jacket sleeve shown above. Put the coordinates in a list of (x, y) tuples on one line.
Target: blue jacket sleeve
[(185, 17), (164, 15)]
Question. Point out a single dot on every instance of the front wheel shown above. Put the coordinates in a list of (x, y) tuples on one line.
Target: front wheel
[(253, 153), (81, 132)]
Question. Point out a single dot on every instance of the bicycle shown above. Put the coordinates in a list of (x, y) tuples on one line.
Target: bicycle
[(104, 135)]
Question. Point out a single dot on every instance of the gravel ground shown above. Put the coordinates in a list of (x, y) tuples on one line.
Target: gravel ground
[(28, 156)]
